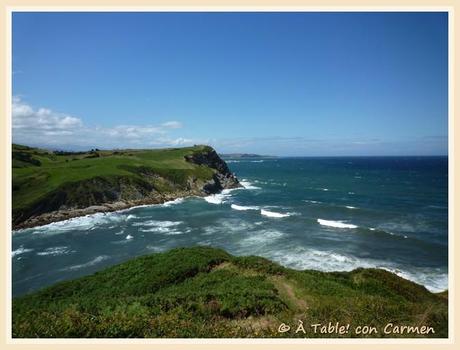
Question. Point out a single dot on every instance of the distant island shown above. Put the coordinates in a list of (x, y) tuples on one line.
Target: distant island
[(51, 186), (244, 155)]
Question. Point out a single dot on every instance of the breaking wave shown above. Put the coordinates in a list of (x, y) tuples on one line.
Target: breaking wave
[(337, 224), (274, 214), (248, 185), (19, 251), (241, 207)]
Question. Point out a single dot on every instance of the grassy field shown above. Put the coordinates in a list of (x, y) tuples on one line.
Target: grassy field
[(205, 292), (40, 175)]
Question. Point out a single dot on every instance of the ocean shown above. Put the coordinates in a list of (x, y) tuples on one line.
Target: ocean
[(328, 214)]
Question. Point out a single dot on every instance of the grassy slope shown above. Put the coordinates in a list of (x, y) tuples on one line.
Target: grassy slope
[(32, 183), (205, 292)]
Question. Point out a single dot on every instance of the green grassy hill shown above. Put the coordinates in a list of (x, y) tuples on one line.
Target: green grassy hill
[(45, 181), (205, 292)]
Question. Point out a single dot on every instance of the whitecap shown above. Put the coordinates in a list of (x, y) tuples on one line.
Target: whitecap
[(128, 237), (159, 223), (19, 251), (248, 185), (273, 214), (156, 229), (55, 251), (337, 224), (350, 207), (241, 207)]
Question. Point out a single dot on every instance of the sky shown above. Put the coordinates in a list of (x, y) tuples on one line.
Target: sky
[(286, 84)]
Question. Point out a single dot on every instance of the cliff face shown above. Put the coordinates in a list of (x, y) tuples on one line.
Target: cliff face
[(135, 178), (223, 178)]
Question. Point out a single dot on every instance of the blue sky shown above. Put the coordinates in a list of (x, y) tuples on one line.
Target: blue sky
[(300, 84)]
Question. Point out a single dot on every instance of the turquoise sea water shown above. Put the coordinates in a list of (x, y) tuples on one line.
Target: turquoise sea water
[(306, 213)]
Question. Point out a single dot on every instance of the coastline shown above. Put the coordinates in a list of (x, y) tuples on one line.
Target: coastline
[(142, 186), (67, 214)]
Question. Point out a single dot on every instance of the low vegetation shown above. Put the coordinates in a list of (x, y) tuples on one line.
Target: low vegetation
[(45, 181), (206, 292)]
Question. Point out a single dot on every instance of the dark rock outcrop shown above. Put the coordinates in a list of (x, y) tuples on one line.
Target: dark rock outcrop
[(222, 179)]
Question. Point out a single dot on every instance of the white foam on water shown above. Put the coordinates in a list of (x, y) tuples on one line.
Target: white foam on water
[(173, 202), (301, 258), (248, 185), (257, 161), (227, 191), (372, 228), (19, 251), (232, 161), (433, 279), (128, 237), (274, 214), (93, 262), (215, 198), (158, 223), (120, 232), (337, 224), (131, 216), (350, 207), (82, 223), (164, 227), (261, 238), (241, 207), (351, 193), (325, 189), (56, 251), (174, 232), (158, 229)]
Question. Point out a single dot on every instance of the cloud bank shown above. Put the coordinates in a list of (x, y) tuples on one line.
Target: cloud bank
[(50, 129), (47, 128)]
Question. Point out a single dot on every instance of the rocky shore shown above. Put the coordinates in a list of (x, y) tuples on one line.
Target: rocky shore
[(100, 195)]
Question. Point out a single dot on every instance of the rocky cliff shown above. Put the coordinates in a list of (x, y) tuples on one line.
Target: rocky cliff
[(111, 181)]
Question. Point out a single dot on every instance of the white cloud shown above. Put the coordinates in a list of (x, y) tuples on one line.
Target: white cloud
[(172, 125), (28, 122), (45, 127)]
